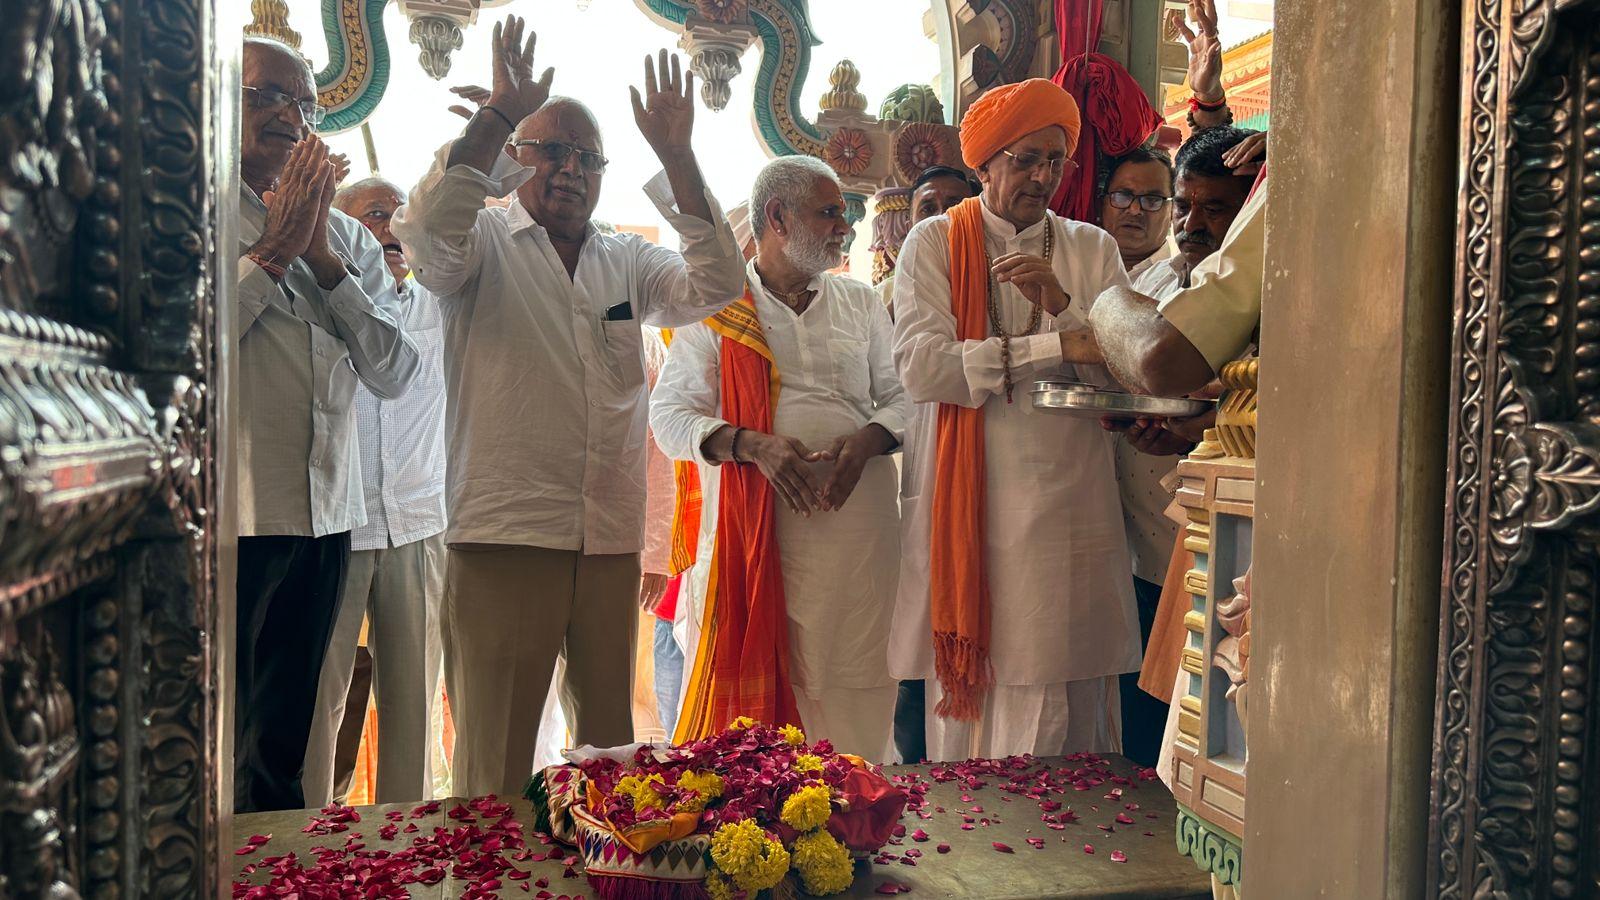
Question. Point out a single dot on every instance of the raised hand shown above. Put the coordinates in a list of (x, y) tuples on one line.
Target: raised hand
[(293, 210), (665, 114), (1205, 49), (341, 167), (514, 92), (1035, 278), (471, 93), (1248, 156)]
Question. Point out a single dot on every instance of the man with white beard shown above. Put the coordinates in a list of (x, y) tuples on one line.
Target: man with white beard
[(791, 394)]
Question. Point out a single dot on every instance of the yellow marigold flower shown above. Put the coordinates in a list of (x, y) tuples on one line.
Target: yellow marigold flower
[(642, 790), (793, 736), (744, 722), (707, 786), (824, 864), (807, 808), (717, 887), (742, 851), (808, 762)]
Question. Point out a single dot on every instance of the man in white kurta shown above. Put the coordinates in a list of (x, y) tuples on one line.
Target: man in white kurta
[(544, 367), (1062, 619), (830, 339)]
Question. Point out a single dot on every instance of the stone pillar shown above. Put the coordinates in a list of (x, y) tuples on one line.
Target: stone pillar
[(1350, 493)]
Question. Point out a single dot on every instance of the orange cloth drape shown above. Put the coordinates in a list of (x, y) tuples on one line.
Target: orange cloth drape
[(959, 580), (1165, 649), (686, 499), (742, 665)]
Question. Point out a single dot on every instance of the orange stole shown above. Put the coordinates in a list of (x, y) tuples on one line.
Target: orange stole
[(958, 588), (741, 666), (686, 500)]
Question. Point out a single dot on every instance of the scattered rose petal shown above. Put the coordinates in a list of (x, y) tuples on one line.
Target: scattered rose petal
[(968, 826), (1036, 843), (1003, 848), (943, 848), (893, 887), (919, 835), (1088, 848), (1119, 856)]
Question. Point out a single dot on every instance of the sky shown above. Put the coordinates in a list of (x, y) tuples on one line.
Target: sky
[(598, 53)]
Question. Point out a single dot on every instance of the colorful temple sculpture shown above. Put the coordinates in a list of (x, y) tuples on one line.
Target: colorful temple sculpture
[(1217, 491)]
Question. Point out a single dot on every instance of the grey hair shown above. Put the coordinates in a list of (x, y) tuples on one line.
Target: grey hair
[(345, 192), (787, 179)]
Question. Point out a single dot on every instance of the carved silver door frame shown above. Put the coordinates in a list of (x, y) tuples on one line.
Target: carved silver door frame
[(109, 396), (1514, 768)]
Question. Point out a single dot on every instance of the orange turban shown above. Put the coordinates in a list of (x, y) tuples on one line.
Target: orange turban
[(1013, 111)]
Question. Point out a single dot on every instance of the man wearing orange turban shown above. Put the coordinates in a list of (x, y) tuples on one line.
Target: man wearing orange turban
[(1013, 590)]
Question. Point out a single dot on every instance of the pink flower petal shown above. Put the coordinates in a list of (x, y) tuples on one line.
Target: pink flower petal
[(1119, 856), (1124, 819), (1003, 848), (943, 848), (1088, 848), (1036, 843), (919, 835)]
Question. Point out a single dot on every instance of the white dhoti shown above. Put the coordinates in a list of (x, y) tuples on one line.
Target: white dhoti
[(1042, 719)]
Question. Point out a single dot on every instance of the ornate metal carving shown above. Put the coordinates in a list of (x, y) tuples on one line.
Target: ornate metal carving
[(1511, 785), (438, 37), (107, 279)]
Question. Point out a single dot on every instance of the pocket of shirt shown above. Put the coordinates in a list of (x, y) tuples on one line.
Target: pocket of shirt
[(852, 377), (625, 346)]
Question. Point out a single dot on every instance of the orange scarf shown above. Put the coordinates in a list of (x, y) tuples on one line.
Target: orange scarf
[(959, 580), (686, 498), (741, 667)]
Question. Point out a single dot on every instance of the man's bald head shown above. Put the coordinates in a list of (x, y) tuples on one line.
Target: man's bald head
[(269, 128), (372, 202), (562, 193)]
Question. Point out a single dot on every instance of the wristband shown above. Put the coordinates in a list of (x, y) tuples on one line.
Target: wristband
[(503, 117), (733, 446), (1195, 103), (266, 265)]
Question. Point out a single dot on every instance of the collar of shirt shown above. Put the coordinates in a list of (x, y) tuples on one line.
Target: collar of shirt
[(815, 284), (1164, 253), (1001, 228)]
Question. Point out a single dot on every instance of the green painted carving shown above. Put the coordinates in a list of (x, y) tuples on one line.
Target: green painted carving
[(913, 103), (1212, 849), (784, 27), (357, 73)]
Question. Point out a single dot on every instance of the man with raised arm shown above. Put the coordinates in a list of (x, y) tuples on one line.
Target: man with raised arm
[(546, 388)]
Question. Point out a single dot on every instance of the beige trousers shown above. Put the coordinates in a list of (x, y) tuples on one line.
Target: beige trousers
[(397, 591), (509, 613)]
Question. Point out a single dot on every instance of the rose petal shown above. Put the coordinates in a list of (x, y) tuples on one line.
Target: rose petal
[(1036, 843), (1003, 848), (1088, 848), (943, 848), (919, 835), (1119, 856)]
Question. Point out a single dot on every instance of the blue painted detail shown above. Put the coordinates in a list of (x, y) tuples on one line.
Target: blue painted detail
[(357, 109), (676, 13), (771, 54)]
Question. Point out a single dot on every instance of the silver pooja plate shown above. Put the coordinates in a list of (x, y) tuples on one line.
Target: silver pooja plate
[(1077, 399)]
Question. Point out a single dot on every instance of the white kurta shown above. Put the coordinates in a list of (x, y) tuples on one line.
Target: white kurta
[(1062, 602), (836, 367)]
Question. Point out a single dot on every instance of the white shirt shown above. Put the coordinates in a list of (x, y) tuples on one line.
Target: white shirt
[(836, 375), (1062, 602), (1151, 532), (546, 397), (301, 352), (402, 441)]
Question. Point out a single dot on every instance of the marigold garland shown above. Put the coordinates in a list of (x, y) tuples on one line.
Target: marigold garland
[(744, 852), (792, 736), (807, 808), (824, 864), (807, 762)]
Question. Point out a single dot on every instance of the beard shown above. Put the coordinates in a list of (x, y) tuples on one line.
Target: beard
[(809, 252)]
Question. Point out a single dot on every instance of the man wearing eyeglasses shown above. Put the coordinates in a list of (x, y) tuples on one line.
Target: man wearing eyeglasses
[(1013, 599), (316, 316), (546, 381)]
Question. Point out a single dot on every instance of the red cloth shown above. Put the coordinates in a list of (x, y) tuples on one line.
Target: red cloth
[(667, 609), (1117, 116), (874, 808)]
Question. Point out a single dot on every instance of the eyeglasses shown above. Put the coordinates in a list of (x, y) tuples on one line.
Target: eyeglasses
[(1027, 162), (266, 98), (1147, 202), (556, 153)]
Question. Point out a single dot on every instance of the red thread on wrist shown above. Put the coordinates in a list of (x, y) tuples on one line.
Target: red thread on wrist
[(268, 266)]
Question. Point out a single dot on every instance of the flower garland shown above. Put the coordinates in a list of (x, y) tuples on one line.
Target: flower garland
[(765, 802)]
